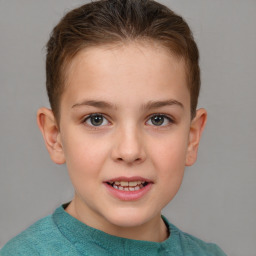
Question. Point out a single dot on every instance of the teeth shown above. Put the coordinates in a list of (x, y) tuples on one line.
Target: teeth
[(133, 183), (128, 188), (124, 183), (128, 185)]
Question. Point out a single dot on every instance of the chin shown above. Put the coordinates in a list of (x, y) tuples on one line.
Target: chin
[(129, 218)]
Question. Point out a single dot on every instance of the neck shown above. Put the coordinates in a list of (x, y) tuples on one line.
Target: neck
[(154, 230)]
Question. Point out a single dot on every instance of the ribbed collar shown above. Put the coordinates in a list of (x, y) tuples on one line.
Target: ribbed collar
[(91, 240)]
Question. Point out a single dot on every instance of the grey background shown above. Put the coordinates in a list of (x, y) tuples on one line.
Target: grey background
[(217, 199)]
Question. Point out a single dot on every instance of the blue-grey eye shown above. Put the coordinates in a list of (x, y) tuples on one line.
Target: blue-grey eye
[(159, 120), (96, 120)]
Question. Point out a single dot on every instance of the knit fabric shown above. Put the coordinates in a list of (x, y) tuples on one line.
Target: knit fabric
[(61, 234)]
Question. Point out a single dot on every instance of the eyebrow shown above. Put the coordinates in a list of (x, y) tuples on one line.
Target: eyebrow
[(159, 104), (94, 103), (147, 106)]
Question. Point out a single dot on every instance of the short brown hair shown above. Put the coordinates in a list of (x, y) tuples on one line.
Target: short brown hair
[(112, 21)]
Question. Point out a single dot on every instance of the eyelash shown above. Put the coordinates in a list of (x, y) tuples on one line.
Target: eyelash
[(166, 118), (89, 118), (149, 119)]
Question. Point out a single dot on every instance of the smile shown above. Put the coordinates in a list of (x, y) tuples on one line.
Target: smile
[(128, 189), (128, 185)]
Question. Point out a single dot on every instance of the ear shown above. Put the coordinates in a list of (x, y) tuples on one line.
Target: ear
[(196, 129), (51, 134)]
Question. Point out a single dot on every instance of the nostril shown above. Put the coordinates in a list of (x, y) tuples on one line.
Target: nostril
[(121, 159)]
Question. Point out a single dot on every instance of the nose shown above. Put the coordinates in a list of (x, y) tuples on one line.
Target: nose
[(128, 146)]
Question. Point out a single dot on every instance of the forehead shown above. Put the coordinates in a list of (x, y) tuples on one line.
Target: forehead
[(140, 67)]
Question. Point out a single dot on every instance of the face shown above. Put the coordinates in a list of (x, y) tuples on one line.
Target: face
[(125, 129)]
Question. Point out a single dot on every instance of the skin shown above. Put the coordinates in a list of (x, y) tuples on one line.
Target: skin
[(127, 84)]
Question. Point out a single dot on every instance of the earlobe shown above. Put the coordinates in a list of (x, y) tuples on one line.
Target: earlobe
[(50, 131), (196, 129)]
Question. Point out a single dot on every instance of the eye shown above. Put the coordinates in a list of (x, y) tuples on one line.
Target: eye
[(159, 120), (96, 120)]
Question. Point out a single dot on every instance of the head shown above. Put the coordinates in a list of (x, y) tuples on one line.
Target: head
[(113, 22), (123, 82)]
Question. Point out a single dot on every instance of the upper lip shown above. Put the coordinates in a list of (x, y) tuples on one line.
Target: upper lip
[(133, 178)]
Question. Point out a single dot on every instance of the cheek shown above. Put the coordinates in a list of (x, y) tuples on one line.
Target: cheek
[(171, 149), (169, 162), (85, 154), (169, 156)]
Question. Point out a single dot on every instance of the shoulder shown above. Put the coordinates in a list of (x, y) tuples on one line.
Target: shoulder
[(192, 246), (25, 242), (32, 241), (198, 247)]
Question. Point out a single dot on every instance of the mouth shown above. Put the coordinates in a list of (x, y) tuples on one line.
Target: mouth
[(128, 189), (128, 185)]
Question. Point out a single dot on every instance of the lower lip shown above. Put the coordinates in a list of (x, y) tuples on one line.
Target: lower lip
[(128, 195)]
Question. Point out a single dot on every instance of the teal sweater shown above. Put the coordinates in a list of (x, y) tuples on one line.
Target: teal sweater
[(62, 235)]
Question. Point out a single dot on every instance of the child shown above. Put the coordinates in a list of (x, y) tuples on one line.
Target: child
[(123, 82)]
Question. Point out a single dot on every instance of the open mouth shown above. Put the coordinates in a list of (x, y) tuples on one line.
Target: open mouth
[(128, 185)]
